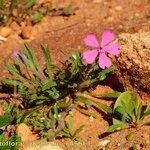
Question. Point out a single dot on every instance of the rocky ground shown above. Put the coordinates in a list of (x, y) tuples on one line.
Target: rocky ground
[(65, 34)]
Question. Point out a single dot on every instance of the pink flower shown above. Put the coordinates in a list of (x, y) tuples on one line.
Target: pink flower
[(15, 53), (101, 50)]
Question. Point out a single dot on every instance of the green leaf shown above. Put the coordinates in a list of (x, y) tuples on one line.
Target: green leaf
[(63, 103), (147, 111), (86, 112), (128, 101), (1, 135), (53, 93), (69, 10), (103, 74), (48, 85), (5, 120), (11, 68), (10, 82), (33, 61), (56, 112), (104, 107), (114, 127), (30, 3), (19, 61), (7, 107), (120, 115), (63, 134), (37, 17), (79, 130), (76, 63), (30, 112), (84, 101), (48, 62), (70, 125), (138, 112), (52, 118), (130, 136), (1, 4), (114, 94)]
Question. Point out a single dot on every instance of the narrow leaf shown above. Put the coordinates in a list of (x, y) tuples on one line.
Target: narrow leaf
[(70, 125), (114, 94), (147, 111), (84, 100), (114, 127), (102, 75), (86, 112), (79, 130), (104, 107), (48, 62)]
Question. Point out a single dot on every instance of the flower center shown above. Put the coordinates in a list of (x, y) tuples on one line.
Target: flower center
[(100, 50)]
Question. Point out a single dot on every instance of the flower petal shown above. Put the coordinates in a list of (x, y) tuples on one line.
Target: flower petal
[(104, 61), (90, 40), (107, 37), (90, 56), (112, 48), (24, 57), (15, 53)]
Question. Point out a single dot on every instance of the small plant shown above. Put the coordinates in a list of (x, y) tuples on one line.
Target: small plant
[(48, 93), (34, 85), (128, 112), (59, 89)]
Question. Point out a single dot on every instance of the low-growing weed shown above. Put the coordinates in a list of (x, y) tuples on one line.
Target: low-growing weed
[(53, 90), (128, 111)]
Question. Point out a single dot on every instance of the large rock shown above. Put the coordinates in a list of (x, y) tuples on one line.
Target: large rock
[(134, 62)]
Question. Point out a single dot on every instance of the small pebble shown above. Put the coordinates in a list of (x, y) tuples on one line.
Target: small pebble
[(2, 39), (91, 118), (118, 8), (104, 143), (5, 31)]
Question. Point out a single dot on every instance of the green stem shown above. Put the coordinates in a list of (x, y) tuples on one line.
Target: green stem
[(61, 123)]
